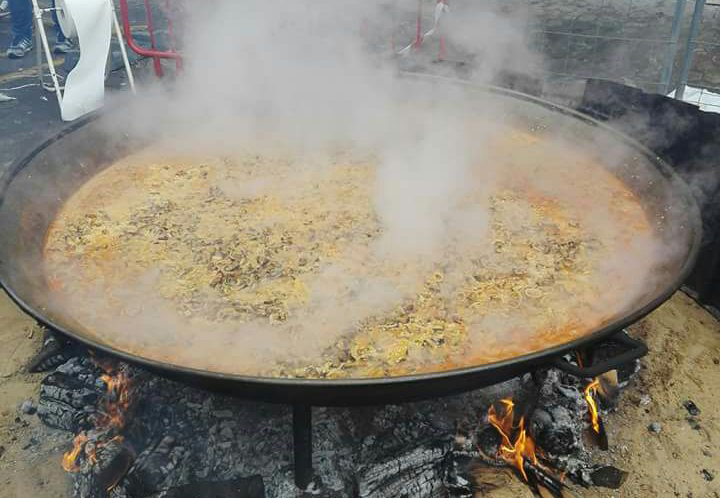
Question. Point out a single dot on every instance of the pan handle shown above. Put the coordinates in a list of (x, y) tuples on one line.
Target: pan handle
[(638, 349)]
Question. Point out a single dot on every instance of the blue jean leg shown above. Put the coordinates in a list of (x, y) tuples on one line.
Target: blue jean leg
[(22, 19)]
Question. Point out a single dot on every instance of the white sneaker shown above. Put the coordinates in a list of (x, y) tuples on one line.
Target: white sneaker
[(19, 49), (4, 11)]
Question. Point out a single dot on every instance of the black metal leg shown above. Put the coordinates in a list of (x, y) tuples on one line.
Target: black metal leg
[(302, 445)]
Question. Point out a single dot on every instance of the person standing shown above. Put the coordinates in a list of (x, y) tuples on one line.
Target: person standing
[(21, 14)]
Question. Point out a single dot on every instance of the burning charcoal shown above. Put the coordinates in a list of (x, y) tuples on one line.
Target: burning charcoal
[(655, 427), (107, 464), (113, 461), (553, 430), (488, 441), (28, 407), (147, 475), (243, 487), (691, 408), (608, 477), (418, 473), (707, 475)]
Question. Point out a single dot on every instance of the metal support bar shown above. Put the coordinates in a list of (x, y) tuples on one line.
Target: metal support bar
[(635, 349), (123, 52), (666, 77), (46, 47), (688, 58), (302, 445)]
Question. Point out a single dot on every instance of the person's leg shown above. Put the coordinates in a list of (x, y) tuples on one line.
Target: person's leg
[(21, 16), (62, 45), (60, 37), (22, 19)]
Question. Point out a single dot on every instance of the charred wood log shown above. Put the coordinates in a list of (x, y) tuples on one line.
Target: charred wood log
[(103, 470), (55, 351), (552, 428), (419, 473), (488, 443), (69, 395), (546, 482), (151, 468)]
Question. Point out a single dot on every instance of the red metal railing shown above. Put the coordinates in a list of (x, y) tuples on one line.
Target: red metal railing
[(153, 50), (420, 37), (172, 53)]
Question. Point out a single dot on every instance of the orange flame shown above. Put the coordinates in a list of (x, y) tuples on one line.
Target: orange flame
[(523, 447), (113, 414), (592, 406), (69, 461), (112, 418)]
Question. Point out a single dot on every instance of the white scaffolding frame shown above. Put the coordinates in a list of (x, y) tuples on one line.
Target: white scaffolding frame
[(42, 41)]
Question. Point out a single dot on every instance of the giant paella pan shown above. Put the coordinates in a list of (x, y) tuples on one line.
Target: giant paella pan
[(278, 273)]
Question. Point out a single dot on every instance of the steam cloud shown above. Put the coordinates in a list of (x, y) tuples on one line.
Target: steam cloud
[(318, 74)]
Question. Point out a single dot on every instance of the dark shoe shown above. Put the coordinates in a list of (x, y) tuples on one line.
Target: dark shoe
[(63, 47), (19, 49)]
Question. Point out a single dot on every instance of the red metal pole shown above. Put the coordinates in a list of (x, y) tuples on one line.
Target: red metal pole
[(153, 43), (418, 27), (443, 48), (124, 14)]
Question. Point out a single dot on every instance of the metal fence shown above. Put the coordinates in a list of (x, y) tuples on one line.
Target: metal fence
[(657, 45), (651, 45)]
